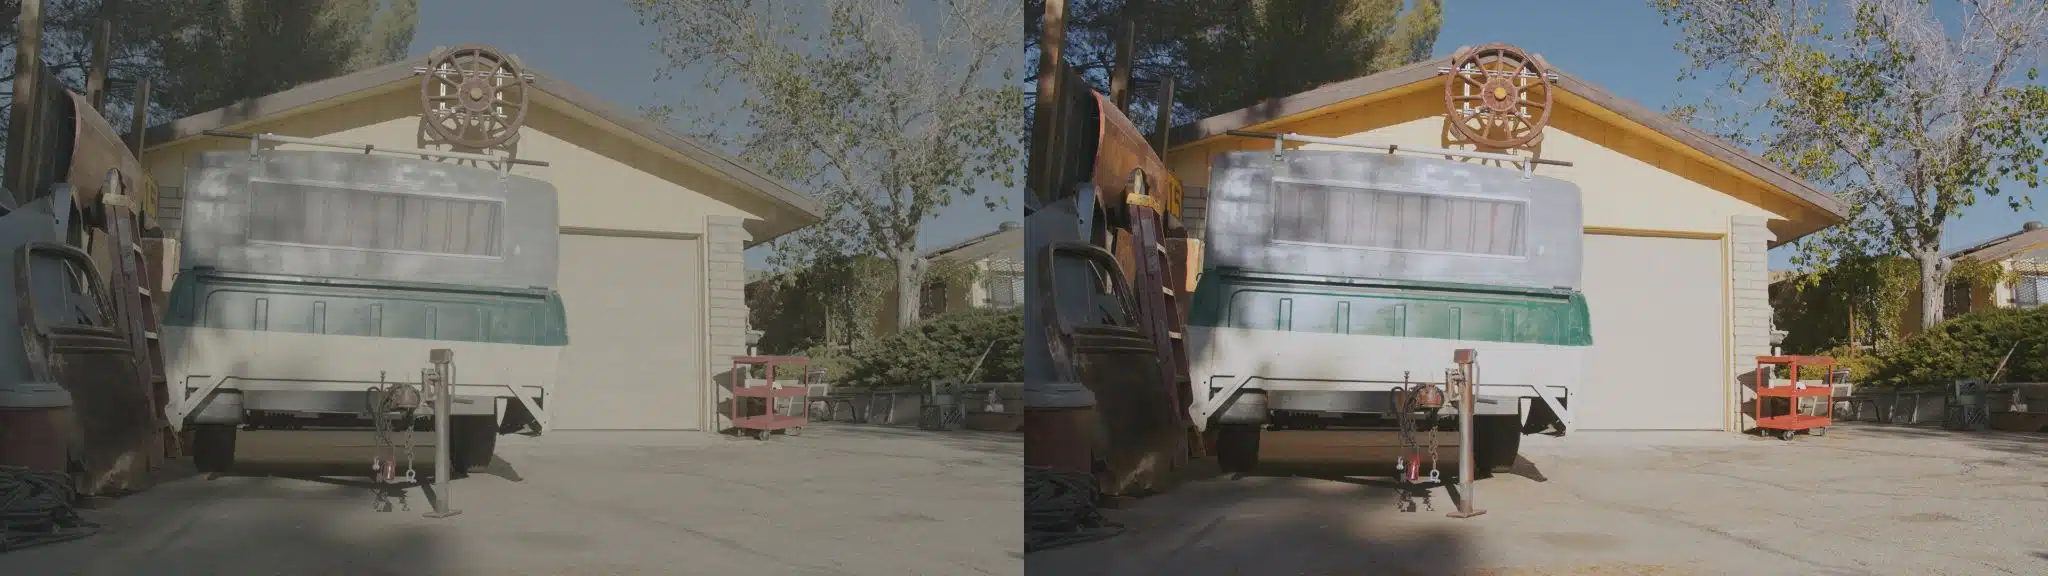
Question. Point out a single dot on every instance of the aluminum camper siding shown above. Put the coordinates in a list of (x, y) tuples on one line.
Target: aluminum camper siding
[(1249, 221), (227, 217)]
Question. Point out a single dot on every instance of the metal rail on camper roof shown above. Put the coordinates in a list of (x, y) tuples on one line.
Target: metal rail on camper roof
[(256, 143), (1280, 142)]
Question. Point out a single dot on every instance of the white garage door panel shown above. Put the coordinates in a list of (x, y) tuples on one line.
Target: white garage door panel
[(1658, 355), (634, 360)]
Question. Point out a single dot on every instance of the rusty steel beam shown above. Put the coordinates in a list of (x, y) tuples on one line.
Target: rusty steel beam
[(140, 123), (1043, 173), (1163, 129), (1120, 74), (21, 121), (96, 75)]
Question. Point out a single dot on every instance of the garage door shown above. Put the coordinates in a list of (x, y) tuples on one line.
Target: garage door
[(635, 356), (1658, 353)]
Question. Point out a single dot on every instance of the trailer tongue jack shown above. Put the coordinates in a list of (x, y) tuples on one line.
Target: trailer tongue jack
[(1463, 385)]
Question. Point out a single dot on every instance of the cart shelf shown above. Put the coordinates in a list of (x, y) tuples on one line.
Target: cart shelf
[(1785, 425), (771, 422), (1796, 392), (761, 424), (1794, 422), (772, 391)]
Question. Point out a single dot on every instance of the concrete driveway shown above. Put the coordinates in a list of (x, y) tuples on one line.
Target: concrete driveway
[(841, 499), (1865, 499)]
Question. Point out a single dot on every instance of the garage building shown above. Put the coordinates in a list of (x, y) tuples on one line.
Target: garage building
[(1677, 223), (653, 225)]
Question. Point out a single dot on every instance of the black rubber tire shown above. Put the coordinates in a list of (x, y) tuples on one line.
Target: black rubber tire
[(1496, 441), (1237, 448), (213, 447), (473, 442)]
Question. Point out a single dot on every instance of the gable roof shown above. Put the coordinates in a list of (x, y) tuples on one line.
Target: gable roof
[(1337, 93), (341, 89), (2031, 236), (983, 245)]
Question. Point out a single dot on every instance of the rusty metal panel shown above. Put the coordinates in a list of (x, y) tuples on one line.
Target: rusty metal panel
[(70, 337), (97, 148), (1120, 149)]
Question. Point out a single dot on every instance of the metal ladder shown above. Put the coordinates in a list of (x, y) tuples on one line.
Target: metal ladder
[(1154, 280), (135, 308)]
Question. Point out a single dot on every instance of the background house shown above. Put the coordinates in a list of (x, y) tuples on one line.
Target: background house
[(652, 229), (997, 262), (1677, 223), (2023, 255)]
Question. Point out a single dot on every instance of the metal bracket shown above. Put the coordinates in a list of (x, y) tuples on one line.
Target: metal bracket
[(1527, 164)]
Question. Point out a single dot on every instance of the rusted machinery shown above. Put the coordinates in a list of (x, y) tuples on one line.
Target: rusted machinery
[(1104, 236), (81, 389)]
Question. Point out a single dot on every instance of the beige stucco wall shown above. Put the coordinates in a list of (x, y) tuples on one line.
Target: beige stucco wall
[(604, 178)]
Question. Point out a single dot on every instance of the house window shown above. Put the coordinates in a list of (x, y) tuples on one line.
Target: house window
[(932, 300), (1388, 220), (2028, 290), (1005, 284)]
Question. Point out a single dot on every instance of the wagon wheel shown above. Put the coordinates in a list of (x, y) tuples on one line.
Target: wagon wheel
[(1498, 96), (761, 434), (473, 96)]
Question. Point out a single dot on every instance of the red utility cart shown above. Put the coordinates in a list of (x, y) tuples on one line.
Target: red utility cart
[(768, 421), (1790, 423)]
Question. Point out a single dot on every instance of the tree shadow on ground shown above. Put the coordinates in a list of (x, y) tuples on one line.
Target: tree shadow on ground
[(1000, 443), (192, 524), (2030, 445), (1330, 523)]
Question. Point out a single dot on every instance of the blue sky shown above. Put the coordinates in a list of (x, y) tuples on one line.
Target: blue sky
[(1624, 46), (600, 46)]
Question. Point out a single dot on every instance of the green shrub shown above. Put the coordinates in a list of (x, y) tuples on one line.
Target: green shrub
[(941, 348), (1969, 346)]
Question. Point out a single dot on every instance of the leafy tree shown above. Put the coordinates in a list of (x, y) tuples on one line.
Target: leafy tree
[(1909, 116), (1228, 54), (204, 54), (889, 112)]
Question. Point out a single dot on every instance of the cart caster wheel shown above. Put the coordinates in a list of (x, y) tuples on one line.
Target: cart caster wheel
[(794, 431), (1786, 435), (761, 435), (1818, 432)]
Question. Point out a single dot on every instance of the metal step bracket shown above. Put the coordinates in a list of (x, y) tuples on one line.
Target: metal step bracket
[(1527, 164)]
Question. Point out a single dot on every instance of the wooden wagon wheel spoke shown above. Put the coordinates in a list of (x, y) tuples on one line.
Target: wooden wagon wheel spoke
[(474, 96), (1499, 94)]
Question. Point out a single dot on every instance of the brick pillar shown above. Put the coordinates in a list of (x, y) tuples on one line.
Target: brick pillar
[(1750, 306), (725, 280)]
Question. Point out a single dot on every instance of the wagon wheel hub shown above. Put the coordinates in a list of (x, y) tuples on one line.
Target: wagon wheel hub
[(1497, 96), (473, 96)]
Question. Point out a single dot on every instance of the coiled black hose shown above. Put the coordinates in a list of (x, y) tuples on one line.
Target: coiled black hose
[(35, 509), (1059, 510)]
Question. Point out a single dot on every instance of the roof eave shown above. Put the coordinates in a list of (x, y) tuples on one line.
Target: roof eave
[(1832, 210), (799, 210)]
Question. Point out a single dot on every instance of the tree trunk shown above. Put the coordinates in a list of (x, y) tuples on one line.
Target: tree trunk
[(1933, 288), (909, 286)]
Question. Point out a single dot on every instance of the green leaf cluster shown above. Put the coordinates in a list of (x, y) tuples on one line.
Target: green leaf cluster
[(942, 348), (1969, 346)]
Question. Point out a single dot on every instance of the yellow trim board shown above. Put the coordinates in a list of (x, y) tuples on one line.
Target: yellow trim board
[(1652, 233)]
